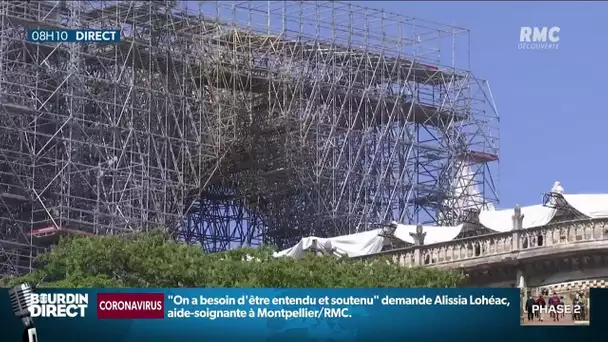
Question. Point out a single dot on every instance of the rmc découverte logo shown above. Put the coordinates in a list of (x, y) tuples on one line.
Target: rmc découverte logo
[(539, 38)]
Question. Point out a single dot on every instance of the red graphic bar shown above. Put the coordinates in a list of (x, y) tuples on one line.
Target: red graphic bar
[(130, 305)]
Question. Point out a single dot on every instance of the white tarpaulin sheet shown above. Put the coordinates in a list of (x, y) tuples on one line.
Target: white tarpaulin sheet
[(353, 245), (590, 205), (369, 242), (502, 220)]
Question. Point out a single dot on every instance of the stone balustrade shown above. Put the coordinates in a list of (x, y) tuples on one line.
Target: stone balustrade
[(517, 244)]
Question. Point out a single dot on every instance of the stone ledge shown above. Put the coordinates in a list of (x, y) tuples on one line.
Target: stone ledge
[(535, 254)]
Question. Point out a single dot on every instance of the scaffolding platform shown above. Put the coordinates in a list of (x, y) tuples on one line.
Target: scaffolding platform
[(371, 108), (258, 132), (13, 244), (478, 157), (12, 196), (48, 236)]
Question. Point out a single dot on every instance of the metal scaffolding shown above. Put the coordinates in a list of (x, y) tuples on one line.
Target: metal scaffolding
[(232, 124)]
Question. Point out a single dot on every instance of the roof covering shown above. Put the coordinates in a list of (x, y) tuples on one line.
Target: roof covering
[(592, 206)]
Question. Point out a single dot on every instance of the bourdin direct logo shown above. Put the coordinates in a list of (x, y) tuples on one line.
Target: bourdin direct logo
[(59, 304)]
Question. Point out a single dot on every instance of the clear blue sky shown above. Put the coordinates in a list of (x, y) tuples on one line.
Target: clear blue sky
[(554, 125)]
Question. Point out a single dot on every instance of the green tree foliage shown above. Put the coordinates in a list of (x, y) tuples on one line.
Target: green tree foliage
[(154, 260)]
